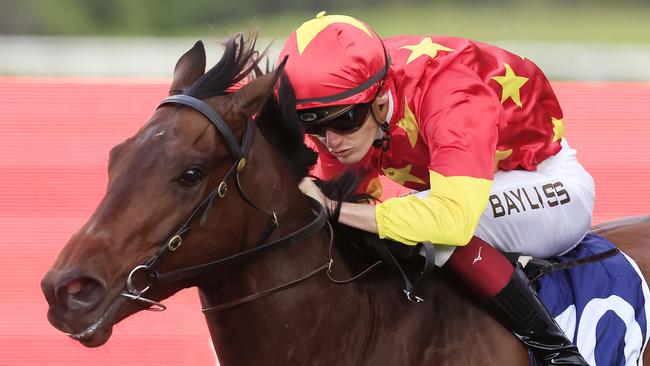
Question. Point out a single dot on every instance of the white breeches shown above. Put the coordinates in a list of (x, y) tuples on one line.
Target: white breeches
[(542, 213)]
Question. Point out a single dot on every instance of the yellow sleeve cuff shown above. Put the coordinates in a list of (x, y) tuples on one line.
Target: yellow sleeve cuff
[(448, 215)]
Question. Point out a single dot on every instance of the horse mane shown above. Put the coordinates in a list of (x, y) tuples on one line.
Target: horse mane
[(354, 244), (279, 123), (278, 120), (281, 126), (239, 60)]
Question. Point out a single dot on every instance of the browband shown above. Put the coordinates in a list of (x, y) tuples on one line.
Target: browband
[(212, 116)]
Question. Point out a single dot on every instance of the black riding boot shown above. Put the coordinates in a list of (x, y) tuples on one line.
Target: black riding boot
[(519, 309)]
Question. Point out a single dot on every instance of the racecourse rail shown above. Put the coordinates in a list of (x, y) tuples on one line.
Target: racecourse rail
[(150, 56), (55, 134)]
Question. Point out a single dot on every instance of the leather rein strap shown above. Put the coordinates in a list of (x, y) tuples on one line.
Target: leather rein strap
[(288, 240), (171, 244)]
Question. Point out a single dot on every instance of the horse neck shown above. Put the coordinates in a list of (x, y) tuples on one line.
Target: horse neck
[(289, 326), (296, 310)]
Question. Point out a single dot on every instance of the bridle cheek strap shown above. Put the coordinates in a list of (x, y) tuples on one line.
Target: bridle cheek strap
[(173, 242)]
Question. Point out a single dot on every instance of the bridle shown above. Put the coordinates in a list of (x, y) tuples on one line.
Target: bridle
[(174, 241)]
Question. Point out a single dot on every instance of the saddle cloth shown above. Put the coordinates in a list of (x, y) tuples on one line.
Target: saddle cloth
[(603, 306)]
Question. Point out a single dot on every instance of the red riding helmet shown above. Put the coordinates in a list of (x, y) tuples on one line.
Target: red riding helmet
[(334, 60)]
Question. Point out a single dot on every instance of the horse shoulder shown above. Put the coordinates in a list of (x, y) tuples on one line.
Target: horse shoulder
[(446, 329)]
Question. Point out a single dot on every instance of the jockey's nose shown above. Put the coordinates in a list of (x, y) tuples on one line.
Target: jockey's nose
[(333, 139), (73, 290)]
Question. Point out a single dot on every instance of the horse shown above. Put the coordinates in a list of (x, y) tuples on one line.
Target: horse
[(201, 196)]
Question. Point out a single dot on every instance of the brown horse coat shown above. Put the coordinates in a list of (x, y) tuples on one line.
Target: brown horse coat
[(317, 322)]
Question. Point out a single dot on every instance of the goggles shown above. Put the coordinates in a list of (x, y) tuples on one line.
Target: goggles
[(341, 119)]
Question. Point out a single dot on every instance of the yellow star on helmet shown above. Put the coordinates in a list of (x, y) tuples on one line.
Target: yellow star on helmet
[(558, 128), (409, 124), (310, 29), (402, 175), (510, 84), (425, 47)]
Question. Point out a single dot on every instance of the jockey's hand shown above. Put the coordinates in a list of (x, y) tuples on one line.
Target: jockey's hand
[(358, 215), (308, 187)]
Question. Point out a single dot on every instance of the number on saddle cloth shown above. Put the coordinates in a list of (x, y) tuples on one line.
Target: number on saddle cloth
[(602, 306)]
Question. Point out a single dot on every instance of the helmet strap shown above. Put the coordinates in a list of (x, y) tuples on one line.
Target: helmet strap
[(382, 138)]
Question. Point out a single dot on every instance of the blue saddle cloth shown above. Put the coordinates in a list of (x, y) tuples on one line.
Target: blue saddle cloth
[(601, 306)]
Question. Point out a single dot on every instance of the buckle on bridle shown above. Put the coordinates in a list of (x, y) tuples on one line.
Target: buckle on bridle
[(174, 243), (221, 190), (241, 164)]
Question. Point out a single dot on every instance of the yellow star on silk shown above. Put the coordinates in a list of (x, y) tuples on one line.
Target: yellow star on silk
[(374, 187), (510, 83), (501, 155), (425, 47), (402, 175), (409, 124), (310, 29), (558, 128)]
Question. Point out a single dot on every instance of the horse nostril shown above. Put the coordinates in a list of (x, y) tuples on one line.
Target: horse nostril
[(75, 286), (81, 293)]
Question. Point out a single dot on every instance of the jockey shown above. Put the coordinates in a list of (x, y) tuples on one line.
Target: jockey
[(475, 129)]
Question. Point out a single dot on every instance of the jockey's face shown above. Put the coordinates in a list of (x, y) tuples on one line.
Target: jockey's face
[(351, 148)]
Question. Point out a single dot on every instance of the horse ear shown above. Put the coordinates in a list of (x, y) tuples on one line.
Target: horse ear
[(253, 95), (189, 68)]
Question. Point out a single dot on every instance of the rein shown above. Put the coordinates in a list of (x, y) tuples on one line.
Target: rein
[(172, 243), (327, 267)]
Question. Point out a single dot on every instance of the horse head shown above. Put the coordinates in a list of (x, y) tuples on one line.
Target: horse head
[(177, 173)]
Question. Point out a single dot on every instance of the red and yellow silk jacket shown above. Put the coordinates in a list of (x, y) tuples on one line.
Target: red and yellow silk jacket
[(461, 110)]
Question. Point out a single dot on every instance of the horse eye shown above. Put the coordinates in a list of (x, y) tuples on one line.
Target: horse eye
[(191, 177)]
